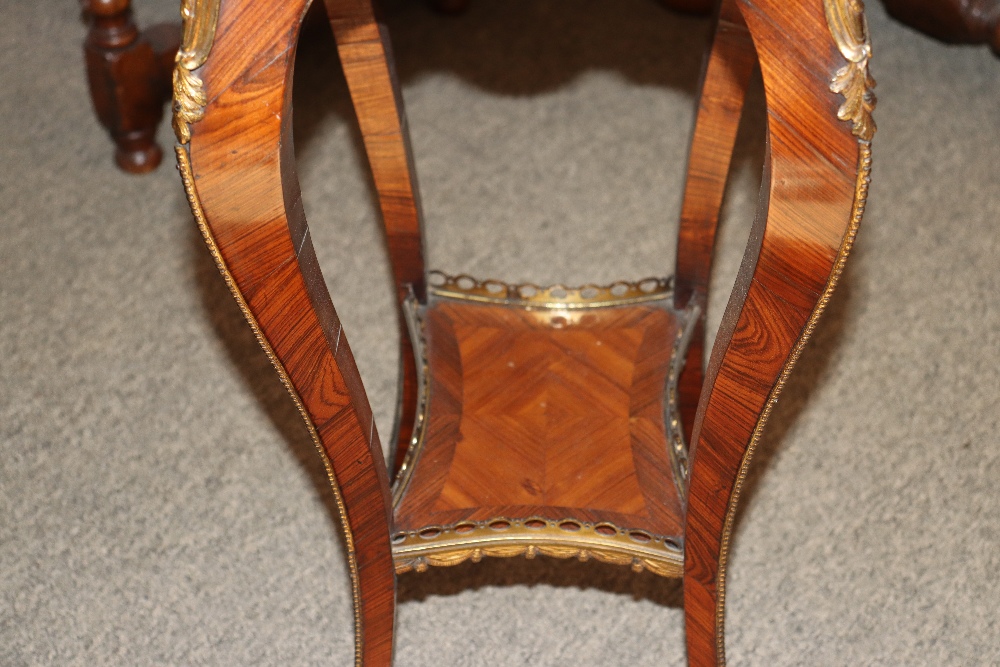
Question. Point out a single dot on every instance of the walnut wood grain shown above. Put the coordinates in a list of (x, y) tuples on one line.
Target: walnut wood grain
[(805, 224), (541, 413), (243, 180), (128, 73), (365, 55)]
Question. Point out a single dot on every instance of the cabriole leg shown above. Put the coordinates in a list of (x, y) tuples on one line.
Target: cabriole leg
[(813, 58), (233, 119), (363, 44)]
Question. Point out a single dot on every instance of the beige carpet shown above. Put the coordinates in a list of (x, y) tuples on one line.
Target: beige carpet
[(160, 503)]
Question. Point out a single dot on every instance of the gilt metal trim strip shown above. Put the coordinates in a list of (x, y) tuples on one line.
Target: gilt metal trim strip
[(671, 406), (559, 297), (566, 538), (412, 312)]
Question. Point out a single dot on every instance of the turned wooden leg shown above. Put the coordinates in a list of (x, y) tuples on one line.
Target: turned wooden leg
[(129, 76), (953, 21)]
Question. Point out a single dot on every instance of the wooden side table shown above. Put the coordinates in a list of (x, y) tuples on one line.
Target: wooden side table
[(565, 422)]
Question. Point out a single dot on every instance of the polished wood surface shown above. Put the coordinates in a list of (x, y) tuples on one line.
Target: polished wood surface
[(243, 178), (363, 46), (580, 430), (724, 80), (128, 72), (805, 224), (545, 413)]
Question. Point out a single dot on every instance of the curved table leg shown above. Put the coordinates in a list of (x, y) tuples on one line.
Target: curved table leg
[(814, 191), (365, 55), (731, 60), (237, 159)]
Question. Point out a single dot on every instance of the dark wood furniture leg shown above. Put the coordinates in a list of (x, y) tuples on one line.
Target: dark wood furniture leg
[(724, 80), (952, 21), (129, 75)]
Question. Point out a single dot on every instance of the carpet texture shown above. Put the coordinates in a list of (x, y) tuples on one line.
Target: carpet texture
[(161, 503)]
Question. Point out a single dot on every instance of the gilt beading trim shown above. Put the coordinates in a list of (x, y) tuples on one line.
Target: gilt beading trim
[(671, 406), (415, 326)]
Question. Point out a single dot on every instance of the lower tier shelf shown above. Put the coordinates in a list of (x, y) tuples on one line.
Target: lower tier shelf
[(548, 425)]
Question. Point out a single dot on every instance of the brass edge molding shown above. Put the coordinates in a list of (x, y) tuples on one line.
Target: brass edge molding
[(415, 326), (444, 546), (860, 200), (671, 413), (553, 297), (849, 28), (187, 176), (200, 19)]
